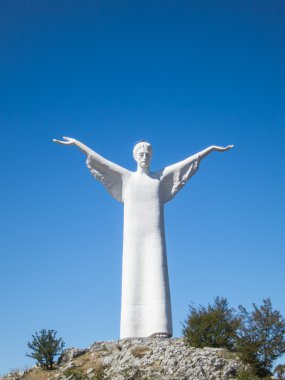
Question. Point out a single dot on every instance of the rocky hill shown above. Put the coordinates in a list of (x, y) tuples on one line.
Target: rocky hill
[(138, 359)]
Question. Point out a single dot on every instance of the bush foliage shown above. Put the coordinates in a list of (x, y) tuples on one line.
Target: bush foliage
[(45, 347), (212, 326), (261, 336), (257, 336)]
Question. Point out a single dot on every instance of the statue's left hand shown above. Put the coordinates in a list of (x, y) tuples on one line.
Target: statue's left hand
[(69, 141), (223, 149)]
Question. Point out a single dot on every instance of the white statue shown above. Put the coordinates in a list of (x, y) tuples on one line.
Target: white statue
[(146, 307)]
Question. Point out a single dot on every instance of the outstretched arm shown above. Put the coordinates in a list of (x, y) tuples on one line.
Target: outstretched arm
[(108, 173), (91, 155), (212, 148), (175, 176), (80, 145), (195, 159)]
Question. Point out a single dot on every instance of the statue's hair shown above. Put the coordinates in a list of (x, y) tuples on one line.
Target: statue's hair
[(141, 144)]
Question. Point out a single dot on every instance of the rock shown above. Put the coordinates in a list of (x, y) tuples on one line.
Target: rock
[(71, 353), (163, 358), (143, 358)]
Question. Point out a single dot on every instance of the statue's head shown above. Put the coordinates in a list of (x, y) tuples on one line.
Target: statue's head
[(142, 154)]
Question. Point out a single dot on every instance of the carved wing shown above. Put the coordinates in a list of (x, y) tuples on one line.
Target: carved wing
[(174, 177), (109, 174)]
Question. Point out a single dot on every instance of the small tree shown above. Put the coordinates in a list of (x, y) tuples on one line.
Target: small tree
[(212, 326), (45, 347), (261, 338)]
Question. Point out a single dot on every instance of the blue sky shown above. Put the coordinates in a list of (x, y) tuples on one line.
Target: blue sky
[(181, 74)]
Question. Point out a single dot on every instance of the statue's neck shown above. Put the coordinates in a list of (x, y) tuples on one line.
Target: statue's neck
[(141, 170)]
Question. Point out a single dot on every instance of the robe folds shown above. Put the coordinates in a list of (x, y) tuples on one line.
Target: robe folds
[(145, 303)]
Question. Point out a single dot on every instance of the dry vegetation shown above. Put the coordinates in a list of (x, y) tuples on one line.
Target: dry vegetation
[(139, 352), (79, 370)]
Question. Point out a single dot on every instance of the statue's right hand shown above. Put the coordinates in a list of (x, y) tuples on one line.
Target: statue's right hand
[(68, 141)]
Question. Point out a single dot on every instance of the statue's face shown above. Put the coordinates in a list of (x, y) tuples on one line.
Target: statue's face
[(143, 157)]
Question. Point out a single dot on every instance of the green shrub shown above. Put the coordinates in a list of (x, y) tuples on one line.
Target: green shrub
[(258, 337), (261, 337), (212, 326), (45, 347)]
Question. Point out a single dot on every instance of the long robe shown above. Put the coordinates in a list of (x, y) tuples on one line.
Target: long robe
[(145, 305)]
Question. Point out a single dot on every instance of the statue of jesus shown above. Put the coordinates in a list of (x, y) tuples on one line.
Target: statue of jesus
[(145, 304)]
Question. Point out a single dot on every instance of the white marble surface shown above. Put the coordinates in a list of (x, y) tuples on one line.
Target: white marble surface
[(146, 305)]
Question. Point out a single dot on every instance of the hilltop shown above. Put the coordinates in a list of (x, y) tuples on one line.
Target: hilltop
[(138, 359)]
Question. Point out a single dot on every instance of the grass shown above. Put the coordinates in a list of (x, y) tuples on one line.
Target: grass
[(139, 351)]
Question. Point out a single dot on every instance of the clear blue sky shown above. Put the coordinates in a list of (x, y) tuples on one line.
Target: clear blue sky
[(183, 75)]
